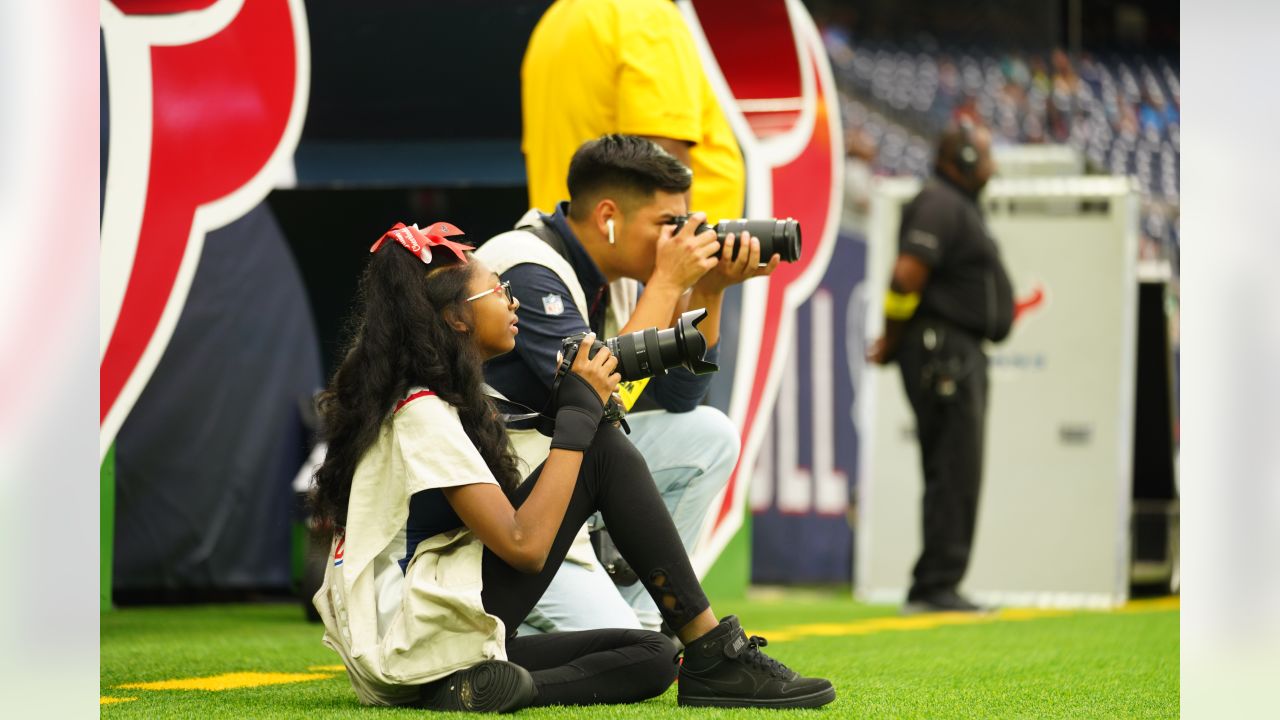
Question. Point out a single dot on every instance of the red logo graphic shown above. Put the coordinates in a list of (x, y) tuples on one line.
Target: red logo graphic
[(1029, 303), (207, 99), (784, 109)]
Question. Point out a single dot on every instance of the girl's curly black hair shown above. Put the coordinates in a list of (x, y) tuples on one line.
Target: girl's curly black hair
[(402, 339)]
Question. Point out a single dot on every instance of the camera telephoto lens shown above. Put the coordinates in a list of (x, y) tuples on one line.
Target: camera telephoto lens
[(643, 354), (651, 351), (776, 236)]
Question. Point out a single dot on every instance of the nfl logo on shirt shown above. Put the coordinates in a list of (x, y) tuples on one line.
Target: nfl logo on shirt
[(552, 304)]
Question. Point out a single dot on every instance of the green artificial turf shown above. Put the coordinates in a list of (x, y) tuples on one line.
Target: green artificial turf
[(1071, 666)]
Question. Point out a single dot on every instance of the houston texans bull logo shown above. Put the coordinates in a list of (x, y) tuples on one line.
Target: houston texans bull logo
[(784, 109), (207, 99)]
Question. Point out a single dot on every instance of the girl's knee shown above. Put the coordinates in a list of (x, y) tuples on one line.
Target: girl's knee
[(659, 668), (612, 445)]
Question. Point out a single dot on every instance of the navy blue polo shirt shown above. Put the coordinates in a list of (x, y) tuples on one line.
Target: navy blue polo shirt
[(548, 315), (429, 515)]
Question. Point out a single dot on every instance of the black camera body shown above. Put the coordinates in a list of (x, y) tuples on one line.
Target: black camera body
[(643, 354), (569, 347), (781, 237)]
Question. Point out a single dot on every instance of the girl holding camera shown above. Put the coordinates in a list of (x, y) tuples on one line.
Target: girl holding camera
[(441, 548)]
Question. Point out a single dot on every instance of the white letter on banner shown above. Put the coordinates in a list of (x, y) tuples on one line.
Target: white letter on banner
[(764, 477), (795, 483), (831, 486)]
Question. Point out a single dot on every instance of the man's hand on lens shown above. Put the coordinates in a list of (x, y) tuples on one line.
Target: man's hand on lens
[(683, 258), (731, 271)]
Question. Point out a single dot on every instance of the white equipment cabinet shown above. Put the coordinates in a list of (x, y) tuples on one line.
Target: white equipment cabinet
[(1020, 161), (1054, 514)]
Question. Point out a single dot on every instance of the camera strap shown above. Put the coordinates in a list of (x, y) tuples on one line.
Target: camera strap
[(514, 415), (597, 305), (530, 418), (549, 236)]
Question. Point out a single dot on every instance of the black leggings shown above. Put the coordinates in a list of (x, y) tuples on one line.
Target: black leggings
[(595, 666)]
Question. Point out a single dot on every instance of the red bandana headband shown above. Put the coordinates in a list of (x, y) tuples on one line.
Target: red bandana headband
[(419, 242)]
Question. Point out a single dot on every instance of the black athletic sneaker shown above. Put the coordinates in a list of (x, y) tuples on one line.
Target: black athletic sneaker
[(942, 601), (492, 686), (725, 668)]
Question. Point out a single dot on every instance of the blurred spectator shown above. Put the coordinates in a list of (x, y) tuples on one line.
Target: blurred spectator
[(860, 158), (1121, 113)]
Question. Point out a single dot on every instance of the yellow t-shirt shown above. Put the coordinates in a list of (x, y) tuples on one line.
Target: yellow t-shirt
[(595, 67)]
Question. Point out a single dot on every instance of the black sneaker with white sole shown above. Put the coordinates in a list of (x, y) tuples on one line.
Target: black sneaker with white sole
[(725, 668), (494, 686)]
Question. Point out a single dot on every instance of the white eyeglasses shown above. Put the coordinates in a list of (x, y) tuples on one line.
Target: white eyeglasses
[(503, 287)]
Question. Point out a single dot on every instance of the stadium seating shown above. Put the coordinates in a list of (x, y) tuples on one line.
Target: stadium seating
[(1122, 112)]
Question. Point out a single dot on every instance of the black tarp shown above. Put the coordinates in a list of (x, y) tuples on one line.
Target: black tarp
[(205, 459)]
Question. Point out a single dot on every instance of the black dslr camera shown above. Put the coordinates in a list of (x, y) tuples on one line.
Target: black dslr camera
[(776, 236), (644, 353)]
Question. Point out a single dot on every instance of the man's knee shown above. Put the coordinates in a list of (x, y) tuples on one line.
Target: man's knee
[(704, 440), (713, 434)]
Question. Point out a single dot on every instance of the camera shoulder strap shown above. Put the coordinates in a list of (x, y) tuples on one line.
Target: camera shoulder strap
[(516, 247), (548, 236)]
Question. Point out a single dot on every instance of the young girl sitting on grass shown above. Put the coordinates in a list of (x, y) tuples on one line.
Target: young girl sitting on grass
[(441, 548)]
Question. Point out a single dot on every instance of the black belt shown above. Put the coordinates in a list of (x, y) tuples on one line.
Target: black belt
[(950, 325)]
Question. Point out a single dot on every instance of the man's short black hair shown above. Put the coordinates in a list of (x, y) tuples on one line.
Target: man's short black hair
[(622, 165)]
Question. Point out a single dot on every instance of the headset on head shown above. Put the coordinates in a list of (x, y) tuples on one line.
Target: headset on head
[(966, 157)]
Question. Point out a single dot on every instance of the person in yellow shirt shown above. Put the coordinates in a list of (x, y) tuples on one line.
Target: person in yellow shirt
[(595, 67)]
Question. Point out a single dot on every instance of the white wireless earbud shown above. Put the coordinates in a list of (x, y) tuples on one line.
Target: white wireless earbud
[(609, 222)]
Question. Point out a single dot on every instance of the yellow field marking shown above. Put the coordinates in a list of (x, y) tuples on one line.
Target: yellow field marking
[(1152, 604), (875, 625), (231, 681), (935, 620), (228, 681)]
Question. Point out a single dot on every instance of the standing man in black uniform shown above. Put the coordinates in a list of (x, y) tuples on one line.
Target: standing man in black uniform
[(949, 292)]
